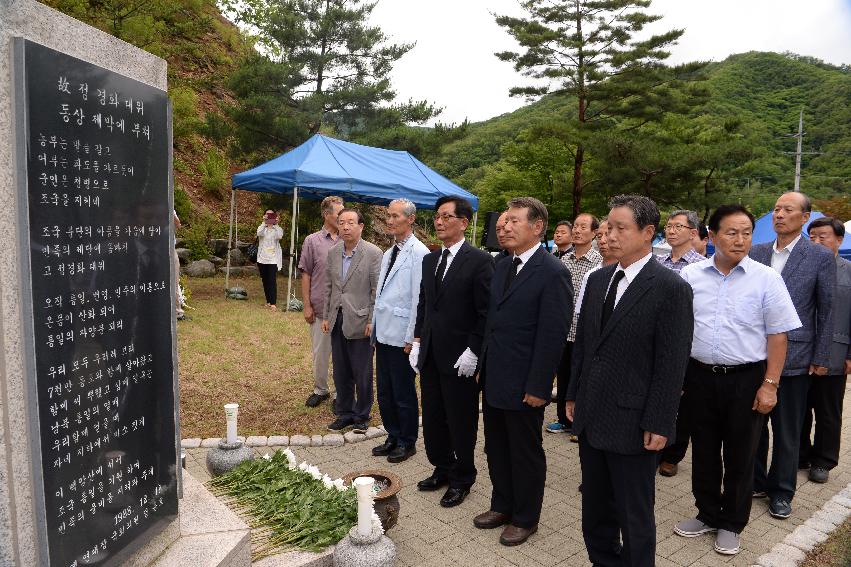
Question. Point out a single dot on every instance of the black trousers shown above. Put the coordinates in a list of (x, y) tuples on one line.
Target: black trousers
[(562, 381), (352, 373), (450, 422), (724, 436), (397, 394), (618, 495), (825, 401), (517, 463), (676, 451), (787, 421), (269, 276)]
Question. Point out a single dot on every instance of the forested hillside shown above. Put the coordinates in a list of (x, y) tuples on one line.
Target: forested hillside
[(730, 148), (234, 107)]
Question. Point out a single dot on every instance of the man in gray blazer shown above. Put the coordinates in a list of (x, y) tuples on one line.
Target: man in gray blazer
[(351, 279), (809, 272), (827, 392)]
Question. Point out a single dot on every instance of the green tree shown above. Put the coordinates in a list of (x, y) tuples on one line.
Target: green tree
[(587, 49), (319, 65)]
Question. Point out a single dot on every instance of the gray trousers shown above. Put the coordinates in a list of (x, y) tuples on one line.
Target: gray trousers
[(352, 374), (321, 344)]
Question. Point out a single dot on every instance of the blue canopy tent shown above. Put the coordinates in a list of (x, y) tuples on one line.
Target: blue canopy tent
[(324, 166)]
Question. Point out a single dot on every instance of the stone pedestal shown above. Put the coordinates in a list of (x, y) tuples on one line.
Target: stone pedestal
[(227, 456), (373, 550)]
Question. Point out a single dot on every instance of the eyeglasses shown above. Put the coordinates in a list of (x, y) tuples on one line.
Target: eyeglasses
[(676, 227), (445, 217)]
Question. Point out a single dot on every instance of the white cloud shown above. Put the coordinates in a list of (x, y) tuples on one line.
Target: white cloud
[(453, 63)]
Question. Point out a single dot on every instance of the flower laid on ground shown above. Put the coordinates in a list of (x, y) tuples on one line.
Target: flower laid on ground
[(287, 506)]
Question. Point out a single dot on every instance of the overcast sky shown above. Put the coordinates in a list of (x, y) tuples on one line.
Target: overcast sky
[(453, 64)]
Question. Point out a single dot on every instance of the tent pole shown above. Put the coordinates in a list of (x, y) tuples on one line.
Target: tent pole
[(292, 246), (230, 235), (475, 219)]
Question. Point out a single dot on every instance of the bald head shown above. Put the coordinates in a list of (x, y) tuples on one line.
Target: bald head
[(500, 226), (791, 213)]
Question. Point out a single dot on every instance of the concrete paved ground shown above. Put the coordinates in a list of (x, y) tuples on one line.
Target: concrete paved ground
[(429, 535)]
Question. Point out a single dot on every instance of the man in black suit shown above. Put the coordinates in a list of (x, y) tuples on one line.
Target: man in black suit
[(451, 313), (629, 360), (531, 307)]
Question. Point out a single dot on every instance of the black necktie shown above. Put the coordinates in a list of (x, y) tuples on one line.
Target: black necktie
[(609, 304), (441, 269), (509, 277), (390, 267)]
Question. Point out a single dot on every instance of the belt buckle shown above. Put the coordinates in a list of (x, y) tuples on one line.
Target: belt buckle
[(716, 367)]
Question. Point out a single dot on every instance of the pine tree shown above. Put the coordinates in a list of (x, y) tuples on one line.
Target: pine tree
[(589, 50), (319, 64)]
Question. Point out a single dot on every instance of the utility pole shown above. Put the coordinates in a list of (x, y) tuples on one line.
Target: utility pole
[(798, 151)]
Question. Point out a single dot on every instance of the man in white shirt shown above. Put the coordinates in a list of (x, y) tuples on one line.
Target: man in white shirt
[(742, 312)]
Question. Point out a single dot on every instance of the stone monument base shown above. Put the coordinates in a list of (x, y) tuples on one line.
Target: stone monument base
[(211, 535)]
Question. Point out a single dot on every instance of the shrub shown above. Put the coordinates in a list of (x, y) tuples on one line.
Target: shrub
[(214, 172)]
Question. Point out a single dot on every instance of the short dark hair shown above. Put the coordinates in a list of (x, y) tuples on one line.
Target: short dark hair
[(725, 211), (807, 206), (834, 223), (595, 222), (355, 211), (535, 209), (644, 209), (463, 208), (566, 223), (702, 231)]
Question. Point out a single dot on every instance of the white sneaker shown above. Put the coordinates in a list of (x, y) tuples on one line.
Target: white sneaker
[(692, 528), (727, 542)]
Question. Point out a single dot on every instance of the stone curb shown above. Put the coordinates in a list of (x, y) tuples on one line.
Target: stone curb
[(792, 551), (329, 440)]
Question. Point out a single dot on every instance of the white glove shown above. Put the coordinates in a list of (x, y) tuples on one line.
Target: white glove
[(414, 355), (467, 362)]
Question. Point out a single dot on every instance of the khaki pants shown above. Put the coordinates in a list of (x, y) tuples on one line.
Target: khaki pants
[(321, 355)]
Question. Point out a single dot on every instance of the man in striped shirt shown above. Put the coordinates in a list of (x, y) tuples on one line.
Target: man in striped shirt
[(680, 231), (579, 261)]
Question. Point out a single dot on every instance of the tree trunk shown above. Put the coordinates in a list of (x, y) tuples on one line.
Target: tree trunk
[(577, 180)]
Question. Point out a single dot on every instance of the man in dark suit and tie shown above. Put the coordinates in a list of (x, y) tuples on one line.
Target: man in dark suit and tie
[(450, 325), (531, 307), (809, 272), (632, 345)]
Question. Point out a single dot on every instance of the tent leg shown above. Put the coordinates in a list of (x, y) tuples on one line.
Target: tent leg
[(292, 246), (475, 219), (230, 235)]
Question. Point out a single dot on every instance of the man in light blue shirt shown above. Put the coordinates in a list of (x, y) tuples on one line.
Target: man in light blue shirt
[(742, 312), (393, 323)]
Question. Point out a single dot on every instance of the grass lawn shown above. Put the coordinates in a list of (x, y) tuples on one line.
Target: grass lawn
[(835, 552), (239, 351)]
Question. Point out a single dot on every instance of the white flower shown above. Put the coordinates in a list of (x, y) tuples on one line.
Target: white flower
[(302, 466), (313, 471), (267, 457), (340, 485), (291, 460), (326, 480)]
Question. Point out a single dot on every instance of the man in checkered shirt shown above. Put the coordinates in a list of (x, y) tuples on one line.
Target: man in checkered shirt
[(582, 259)]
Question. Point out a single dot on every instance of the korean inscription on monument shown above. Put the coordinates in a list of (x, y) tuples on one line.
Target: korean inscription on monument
[(97, 162)]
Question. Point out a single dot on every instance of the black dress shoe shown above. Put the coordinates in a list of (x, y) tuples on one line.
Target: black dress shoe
[(454, 496), (384, 449), (432, 483), (401, 453), (315, 399)]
